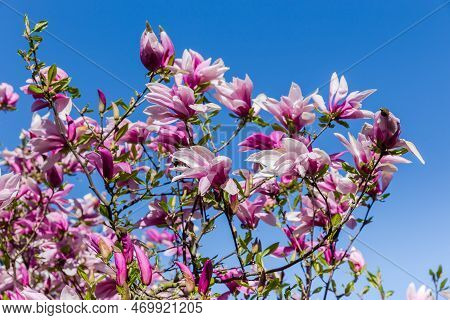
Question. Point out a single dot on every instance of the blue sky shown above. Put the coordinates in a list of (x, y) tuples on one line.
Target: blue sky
[(277, 42)]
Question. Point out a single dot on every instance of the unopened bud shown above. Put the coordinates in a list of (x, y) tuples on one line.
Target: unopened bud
[(105, 250), (115, 109)]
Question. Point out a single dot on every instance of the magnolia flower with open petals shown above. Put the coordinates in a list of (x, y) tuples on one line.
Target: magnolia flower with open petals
[(293, 111), (422, 294), (260, 141), (61, 102), (236, 96), (292, 158), (60, 75), (342, 105), (103, 162), (363, 155), (200, 163), (156, 215), (9, 188), (385, 133), (44, 135), (169, 138), (250, 212), (194, 70), (8, 98), (334, 181), (173, 103)]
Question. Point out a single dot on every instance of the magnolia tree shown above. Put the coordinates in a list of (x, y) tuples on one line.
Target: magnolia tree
[(313, 203)]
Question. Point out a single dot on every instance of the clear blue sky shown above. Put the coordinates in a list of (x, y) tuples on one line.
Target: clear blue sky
[(277, 42)]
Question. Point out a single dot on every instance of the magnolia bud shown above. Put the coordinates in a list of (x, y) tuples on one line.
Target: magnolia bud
[(121, 268), (116, 113), (105, 249), (188, 277), (54, 176), (144, 266), (205, 277), (154, 53), (386, 129), (101, 102)]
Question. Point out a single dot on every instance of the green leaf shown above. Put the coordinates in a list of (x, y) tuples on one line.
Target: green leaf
[(317, 290), (51, 74), (343, 123), (336, 220), (40, 26), (104, 210), (270, 249), (204, 139), (164, 206), (439, 271), (35, 89), (442, 285), (258, 260), (349, 288), (121, 132)]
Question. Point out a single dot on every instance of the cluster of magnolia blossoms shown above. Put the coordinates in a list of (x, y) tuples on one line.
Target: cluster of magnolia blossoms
[(55, 246)]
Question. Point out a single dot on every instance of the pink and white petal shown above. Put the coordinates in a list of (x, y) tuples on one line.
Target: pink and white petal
[(268, 218)]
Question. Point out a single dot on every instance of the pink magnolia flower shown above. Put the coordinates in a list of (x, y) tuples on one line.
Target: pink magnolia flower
[(386, 129), (260, 141), (357, 260), (249, 213), (101, 101), (171, 137), (155, 54), (137, 132), (163, 237), (156, 215), (223, 275), (8, 98), (31, 294), (62, 103), (144, 265), (205, 277), (173, 103), (194, 70), (44, 135), (292, 158), (297, 242), (332, 255), (200, 163), (385, 133), (316, 212), (363, 155), (422, 294), (54, 176), (236, 96), (121, 268), (60, 75), (68, 293), (341, 105), (334, 181), (127, 247), (101, 244), (103, 161), (106, 290), (9, 188), (293, 111), (189, 279)]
